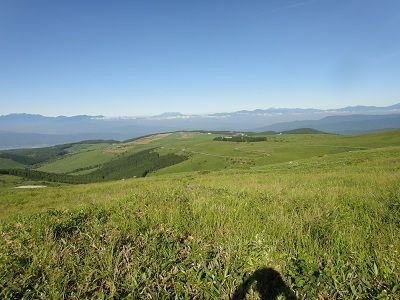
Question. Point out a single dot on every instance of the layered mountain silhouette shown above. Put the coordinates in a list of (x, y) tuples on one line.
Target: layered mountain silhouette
[(28, 130), (341, 124)]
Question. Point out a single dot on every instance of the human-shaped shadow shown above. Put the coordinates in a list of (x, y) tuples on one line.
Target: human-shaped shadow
[(269, 285)]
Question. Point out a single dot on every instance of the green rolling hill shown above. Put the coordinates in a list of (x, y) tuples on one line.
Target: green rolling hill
[(186, 215)]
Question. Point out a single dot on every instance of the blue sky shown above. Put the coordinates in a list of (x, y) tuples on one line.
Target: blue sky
[(147, 57)]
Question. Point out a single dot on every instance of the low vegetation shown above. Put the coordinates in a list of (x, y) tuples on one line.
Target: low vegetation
[(310, 228)]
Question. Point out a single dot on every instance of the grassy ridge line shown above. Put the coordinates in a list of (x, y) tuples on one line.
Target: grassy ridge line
[(278, 148), (177, 131), (331, 234), (207, 155)]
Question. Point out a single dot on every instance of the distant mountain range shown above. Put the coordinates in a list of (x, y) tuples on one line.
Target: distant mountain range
[(341, 124), (28, 130)]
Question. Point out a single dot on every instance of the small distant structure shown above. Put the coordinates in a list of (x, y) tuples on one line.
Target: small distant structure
[(209, 133)]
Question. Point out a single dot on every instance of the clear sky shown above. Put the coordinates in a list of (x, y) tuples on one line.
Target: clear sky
[(147, 57)]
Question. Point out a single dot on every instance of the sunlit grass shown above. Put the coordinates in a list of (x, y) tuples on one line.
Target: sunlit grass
[(330, 225)]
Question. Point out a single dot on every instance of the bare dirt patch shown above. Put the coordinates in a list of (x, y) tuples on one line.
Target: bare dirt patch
[(149, 139), (142, 141)]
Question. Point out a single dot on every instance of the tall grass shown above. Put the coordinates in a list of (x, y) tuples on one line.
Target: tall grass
[(331, 230)]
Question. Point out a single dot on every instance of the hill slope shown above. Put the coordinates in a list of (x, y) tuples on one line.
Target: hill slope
[(96, 160), (313, 226), (304, 131)]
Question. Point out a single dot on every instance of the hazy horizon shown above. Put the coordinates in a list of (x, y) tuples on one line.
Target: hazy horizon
[(193, 113)]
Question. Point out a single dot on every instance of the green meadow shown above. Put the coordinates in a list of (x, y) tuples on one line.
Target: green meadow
[(90, 155), (297, 216)]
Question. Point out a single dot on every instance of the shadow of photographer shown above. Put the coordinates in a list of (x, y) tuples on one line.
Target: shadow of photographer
[(269, 285)]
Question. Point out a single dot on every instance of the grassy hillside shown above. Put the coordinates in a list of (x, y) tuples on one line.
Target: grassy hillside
[(7, 163), (204, 150), (211, 155), (304, 131), (89, 156), (138, 164), (320, 219)]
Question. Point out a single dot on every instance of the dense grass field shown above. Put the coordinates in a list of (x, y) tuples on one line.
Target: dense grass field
[(90, 155), (308, 216)]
